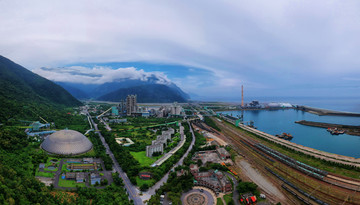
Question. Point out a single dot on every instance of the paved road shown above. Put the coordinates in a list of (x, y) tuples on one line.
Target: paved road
[(153, 189), (235, 191), (106, 125), (58, 174), (130, 188)]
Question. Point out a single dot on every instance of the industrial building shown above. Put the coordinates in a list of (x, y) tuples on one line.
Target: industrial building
[(175, 109), (212, 179), (66, 142), (131, 104)]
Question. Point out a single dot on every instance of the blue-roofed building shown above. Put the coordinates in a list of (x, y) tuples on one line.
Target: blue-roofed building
[(95, 177)]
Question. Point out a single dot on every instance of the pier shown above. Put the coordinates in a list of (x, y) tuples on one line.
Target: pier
[(349, 129)]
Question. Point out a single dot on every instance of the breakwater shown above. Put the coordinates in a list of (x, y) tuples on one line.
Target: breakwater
[(319, 111), (349, 129)]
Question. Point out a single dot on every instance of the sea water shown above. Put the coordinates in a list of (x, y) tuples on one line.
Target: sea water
[(279, 121)]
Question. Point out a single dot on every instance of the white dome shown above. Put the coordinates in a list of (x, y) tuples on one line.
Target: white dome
[(67, 142)]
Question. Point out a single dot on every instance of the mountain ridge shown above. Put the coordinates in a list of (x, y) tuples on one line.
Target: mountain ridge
[(23, 92), (105, 90), (153, 93)]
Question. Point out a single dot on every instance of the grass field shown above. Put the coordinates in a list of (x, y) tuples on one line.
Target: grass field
[(143, 159), (44, 174), (69, 183), (140, 182)]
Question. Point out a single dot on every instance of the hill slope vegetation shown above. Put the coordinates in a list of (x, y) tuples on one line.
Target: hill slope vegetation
[(23, 93)]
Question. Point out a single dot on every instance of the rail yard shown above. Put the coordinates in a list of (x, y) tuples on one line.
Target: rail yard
[(302, 183)]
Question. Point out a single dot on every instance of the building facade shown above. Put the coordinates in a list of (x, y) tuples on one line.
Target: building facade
[(131, 104)]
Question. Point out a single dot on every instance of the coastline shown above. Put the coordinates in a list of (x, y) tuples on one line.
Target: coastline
[(312, 110)]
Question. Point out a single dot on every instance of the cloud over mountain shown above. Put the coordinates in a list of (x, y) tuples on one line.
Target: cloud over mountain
[(100, 75), (273, 48)]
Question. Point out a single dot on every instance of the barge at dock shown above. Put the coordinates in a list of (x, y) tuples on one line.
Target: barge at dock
[(348, 129)]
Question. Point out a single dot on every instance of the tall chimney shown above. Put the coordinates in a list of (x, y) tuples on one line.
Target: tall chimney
[(242, 96)]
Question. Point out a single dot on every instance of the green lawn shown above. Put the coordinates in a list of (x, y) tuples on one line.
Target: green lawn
[(44, 174), (219, 201), (228, 198), (63, 168), (140, 182), (69, 183), (143, 159)]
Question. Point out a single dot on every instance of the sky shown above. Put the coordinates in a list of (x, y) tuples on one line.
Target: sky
[(208, 48)]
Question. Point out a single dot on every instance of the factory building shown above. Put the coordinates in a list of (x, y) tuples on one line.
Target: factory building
[(122, 107), (175, 109), (131, 105), (67, 142)]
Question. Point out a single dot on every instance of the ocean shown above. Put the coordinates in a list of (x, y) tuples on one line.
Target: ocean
[(279, 121)]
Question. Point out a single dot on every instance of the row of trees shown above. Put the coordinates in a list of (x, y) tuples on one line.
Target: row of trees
[(100, 150), (127, 162)]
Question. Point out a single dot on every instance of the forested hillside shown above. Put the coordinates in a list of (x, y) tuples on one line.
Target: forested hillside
[(25, 95)]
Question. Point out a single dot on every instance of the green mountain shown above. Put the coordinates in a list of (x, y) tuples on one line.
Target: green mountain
[(153, 93), (24, 94)]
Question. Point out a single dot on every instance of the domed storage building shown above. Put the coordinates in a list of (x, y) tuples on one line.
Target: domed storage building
[(67, 142)]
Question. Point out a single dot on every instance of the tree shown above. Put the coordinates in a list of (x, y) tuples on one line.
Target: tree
[(144, 187), (199, 162), (244, 187)]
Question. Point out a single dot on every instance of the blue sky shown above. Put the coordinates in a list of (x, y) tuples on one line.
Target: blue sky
[(209, 48)]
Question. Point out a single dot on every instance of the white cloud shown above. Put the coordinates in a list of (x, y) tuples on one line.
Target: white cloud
[(275, 44), (99, 75)]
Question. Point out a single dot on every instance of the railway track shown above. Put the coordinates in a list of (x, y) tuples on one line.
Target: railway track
[(343, 182), (336, 181)]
